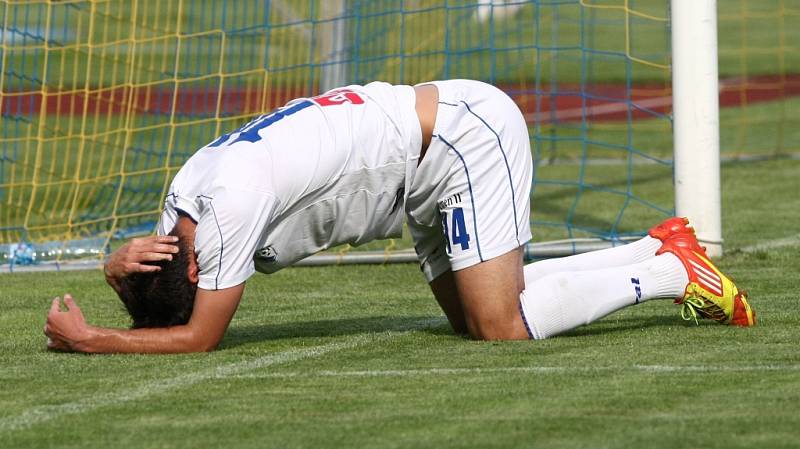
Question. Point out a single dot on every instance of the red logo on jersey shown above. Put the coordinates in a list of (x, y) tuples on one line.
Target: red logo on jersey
[(337, 97)]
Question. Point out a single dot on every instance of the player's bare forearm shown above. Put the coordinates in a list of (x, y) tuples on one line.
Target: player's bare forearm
[(67, 330), (166, 340)]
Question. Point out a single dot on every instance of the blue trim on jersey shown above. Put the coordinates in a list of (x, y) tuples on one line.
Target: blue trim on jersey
[(221, 241), (471, 196), (508, 168)]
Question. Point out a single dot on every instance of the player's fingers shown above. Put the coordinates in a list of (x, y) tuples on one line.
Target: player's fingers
[(136, 267), (72, 305), (145, 268), (55, 344), (166, 238), (70, 302), (160, 248), (138, 254), (50, 334), (154, 257), (164, 248), (152, 239), (55, 306)]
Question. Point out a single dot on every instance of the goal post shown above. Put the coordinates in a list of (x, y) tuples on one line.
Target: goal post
[(695, 106)]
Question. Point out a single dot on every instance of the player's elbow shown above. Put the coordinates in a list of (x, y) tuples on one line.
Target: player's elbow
[(208, 347), (201, 346), (210, 344), (188, 339), (199, 341)]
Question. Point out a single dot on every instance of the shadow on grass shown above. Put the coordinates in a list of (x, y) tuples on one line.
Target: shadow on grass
[(624, 325), (240, 335), (433, 325)]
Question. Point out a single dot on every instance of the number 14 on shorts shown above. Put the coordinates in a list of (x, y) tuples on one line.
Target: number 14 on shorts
[(455, 229)]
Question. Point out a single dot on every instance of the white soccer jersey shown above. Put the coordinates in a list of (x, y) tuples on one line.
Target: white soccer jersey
[(315, 173)]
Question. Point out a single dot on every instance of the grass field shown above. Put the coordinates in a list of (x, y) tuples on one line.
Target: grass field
[(362, 357), (346, 357)]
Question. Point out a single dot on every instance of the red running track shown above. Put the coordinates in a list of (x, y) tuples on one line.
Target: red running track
[(566, 104)]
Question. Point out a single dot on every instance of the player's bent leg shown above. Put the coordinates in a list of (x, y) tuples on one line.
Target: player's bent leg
[(444, 290), (489, 293), (468, 208), (430, 248)]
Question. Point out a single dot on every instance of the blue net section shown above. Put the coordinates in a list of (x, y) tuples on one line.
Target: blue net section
[(102, 101)]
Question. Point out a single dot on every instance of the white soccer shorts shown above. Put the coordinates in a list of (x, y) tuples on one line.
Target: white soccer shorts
[(469, 200)]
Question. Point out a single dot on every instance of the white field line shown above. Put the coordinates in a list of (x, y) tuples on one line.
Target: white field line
[(793, 240), (521, 370), (40, 414)]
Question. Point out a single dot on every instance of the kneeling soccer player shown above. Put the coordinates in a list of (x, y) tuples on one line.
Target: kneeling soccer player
[(453, 157)]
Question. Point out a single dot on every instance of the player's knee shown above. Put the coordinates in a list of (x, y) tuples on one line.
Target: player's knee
[(495, 318), (494, 330)]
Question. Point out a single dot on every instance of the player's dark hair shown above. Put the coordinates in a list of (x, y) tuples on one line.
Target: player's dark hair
[(163, 298)]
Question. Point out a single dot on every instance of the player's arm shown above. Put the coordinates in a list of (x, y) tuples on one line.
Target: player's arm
[(212, 313), (134, 257)]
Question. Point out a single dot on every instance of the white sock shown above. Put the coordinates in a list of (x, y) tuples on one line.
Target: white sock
[(629, 254), (559, 302)]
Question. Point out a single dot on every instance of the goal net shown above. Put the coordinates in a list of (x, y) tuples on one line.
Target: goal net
[(101, 101)]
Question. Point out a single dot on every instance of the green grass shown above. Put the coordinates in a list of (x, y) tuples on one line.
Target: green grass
[(361, 357)]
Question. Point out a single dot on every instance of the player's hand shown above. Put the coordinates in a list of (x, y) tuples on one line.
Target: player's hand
[(65, 330), (133, 257)]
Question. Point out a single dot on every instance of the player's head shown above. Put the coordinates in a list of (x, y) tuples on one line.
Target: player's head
[(166, 297)]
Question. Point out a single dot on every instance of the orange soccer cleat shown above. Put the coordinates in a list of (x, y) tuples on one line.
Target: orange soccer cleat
[(710, 293), (670, 227)]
